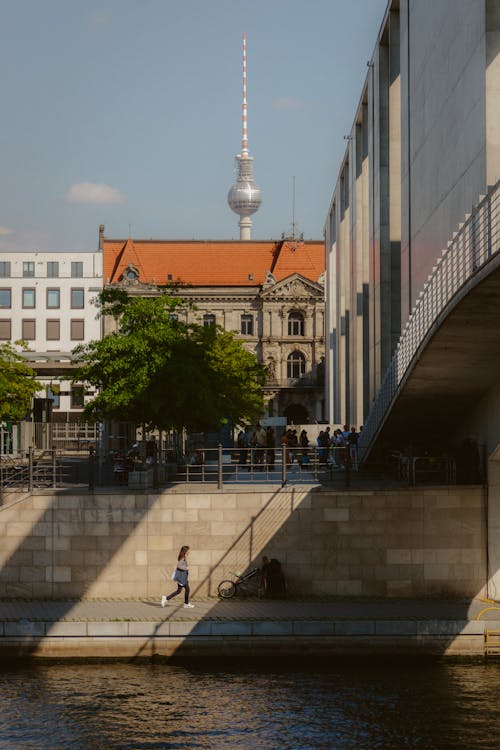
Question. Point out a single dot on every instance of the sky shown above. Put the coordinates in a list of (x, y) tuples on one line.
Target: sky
[(127, 113)]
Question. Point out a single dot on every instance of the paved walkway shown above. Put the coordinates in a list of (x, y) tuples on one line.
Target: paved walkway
[(150, 610)]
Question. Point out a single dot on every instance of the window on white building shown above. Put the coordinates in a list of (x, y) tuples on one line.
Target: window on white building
[(28, 330), (209, 320), (4, 269), (53, 299), (296, 365), (53, 330), (5, 330), (52, 269), (76, 269), (295, 324), (77, 397), (5, 298), (28, 269), (77, 298), (29, 298), (54, 394), (77, 330)]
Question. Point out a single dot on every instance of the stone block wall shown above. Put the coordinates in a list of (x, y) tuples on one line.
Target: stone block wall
[(410, 542)]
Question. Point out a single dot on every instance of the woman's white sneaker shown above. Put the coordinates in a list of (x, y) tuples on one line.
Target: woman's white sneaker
[(164, 601), (188, 606)]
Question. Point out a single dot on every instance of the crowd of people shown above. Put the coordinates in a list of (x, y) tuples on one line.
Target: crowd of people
[(257, 447)]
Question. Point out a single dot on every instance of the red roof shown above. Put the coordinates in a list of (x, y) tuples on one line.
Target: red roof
[(205, 263)]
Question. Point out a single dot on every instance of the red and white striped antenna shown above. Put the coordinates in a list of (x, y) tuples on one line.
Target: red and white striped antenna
[(244, 140)]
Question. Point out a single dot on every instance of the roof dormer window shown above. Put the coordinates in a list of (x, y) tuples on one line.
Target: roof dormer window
[(131, 273)]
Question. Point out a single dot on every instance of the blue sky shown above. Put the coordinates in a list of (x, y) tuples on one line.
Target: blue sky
[(128, 113)]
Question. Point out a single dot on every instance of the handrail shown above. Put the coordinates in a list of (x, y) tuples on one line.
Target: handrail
[(475, 243)]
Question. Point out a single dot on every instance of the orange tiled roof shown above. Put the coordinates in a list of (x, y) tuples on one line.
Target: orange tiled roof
[(205, 263)]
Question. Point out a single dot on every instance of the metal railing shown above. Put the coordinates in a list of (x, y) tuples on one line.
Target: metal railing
[(475, 243)]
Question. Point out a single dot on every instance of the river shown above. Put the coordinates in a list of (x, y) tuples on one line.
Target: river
[(361, 705)]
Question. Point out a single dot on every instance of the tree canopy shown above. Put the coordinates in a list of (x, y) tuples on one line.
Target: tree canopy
[(18, 384), (159, 371)]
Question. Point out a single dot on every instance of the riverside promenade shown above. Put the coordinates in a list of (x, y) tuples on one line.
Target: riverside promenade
[(252, 628)]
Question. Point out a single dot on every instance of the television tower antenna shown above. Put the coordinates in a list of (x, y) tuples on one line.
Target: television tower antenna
[(244, 198)]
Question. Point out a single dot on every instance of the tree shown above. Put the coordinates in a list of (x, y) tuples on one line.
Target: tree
[(17, 384), (161, 372)]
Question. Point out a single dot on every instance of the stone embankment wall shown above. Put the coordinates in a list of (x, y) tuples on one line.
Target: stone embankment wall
[(410, 542)]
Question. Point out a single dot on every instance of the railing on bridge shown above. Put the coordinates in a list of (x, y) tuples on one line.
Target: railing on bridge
[(476, 241)]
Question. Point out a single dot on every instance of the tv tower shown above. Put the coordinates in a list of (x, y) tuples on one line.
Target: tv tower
[(244, 198)]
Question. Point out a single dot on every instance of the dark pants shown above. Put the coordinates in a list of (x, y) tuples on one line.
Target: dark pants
[(179, 589)]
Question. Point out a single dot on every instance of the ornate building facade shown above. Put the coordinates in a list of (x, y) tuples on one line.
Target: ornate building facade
[(271, 294)]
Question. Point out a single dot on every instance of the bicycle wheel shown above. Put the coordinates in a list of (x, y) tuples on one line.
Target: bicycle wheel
[(226, 589)]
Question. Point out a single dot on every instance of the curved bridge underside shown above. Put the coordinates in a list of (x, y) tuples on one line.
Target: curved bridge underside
[(455, 366)]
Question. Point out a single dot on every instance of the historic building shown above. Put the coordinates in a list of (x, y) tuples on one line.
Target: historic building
[(270, 293)]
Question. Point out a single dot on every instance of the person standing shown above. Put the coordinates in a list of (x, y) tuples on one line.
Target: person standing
[(180, 576)]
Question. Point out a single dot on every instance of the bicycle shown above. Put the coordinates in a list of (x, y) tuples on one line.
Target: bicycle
[(227, 589)]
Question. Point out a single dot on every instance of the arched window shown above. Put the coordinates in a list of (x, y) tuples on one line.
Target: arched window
[(209, 320), (296, 365), (295, 324)]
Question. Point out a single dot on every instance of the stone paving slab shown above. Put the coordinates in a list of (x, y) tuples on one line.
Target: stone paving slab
[(150, 610)]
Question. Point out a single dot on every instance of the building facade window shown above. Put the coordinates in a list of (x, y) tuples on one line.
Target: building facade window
[(77, 330), (77, 397), (77, 299), (53, 393), (53, 299), (209, 320), (295, 324), (76, 269), (4, 269), (6, 298), (29, 330), (247, 325), (296, 365), (53, 330), (52, 269), (28, 269), (5, 330), (29, 298)]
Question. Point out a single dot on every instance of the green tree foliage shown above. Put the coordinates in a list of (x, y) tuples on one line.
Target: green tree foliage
[(157, 370), (17, 384)]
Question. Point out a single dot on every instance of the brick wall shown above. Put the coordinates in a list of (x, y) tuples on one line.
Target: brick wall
[(410, 542)]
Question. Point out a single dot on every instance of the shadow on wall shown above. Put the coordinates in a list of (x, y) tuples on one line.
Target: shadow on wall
[(410, 543)]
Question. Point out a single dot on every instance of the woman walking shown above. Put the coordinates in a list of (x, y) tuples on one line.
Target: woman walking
[(180, 576)]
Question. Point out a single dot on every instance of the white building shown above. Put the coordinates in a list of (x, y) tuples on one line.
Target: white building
[(48, 300)]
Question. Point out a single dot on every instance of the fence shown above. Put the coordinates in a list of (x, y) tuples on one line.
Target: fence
[(471, 248)]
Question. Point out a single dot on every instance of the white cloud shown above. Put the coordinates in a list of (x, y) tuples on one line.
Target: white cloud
[(93, 192), (4, 231), (287, 102)]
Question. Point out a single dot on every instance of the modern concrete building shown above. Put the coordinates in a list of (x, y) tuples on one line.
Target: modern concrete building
[(48, 301), (270, 293), (423, 148)]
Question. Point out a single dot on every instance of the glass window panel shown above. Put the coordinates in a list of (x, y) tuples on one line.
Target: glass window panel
[(4, 269), (247, 325), (29, 297), (53, 298), (77, 299), (296, 365), (28, 268), (52, 269), (5, 298), (77, 396), (209, 320), (76, 269)]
